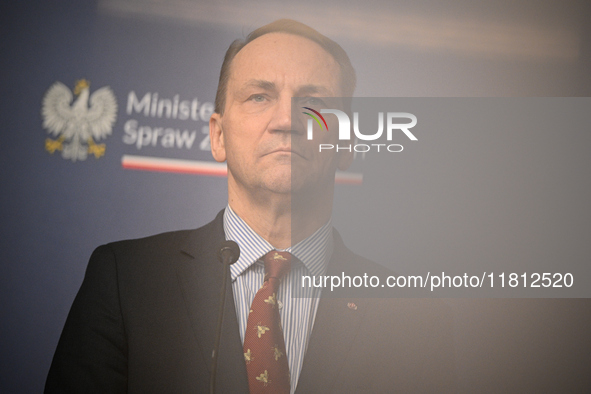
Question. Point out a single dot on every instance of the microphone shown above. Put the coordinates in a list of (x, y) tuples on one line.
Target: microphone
[(228, 254)]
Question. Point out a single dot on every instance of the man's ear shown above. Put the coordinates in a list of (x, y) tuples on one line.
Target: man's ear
[(216, 138)]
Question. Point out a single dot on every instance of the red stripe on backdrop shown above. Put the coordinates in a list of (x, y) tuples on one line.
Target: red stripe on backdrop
[(157, 164)]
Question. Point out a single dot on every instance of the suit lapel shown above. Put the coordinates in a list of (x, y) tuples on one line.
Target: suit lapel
[(338, 320), (200, 278), (334, 331)]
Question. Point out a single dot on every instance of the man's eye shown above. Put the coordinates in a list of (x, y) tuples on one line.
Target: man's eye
[(313, 101), (257, 98)]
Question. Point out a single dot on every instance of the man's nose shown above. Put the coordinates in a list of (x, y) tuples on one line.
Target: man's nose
[(282, 120)]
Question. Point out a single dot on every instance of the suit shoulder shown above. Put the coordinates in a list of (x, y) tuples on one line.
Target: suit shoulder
[(170, 238), (174, 240), (164, 246)]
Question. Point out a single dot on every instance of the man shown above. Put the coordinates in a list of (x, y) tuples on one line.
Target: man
[(145, 317)]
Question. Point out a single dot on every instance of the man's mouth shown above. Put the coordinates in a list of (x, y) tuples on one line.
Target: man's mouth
[(287, 150)]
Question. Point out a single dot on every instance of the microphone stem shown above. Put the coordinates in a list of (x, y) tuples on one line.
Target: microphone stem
[(216, 348)]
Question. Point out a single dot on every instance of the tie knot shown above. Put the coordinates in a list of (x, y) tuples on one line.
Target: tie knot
[(277, 264)]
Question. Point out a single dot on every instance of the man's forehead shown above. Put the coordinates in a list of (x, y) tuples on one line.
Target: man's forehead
[(270, 58), (271, 42)]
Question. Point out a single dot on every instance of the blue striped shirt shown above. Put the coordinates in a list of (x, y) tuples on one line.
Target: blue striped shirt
[(297, 304)]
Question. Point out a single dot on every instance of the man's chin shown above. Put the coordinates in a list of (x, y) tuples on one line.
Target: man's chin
[(296, 180), (278, 182), (286, 185)]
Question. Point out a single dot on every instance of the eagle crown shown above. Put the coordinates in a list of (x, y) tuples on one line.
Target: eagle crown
[(81, 84)]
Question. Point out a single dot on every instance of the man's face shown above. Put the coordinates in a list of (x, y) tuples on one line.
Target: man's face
[(256, 135)]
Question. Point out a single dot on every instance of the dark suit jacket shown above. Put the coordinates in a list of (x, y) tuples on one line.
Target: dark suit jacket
[(144, 322)]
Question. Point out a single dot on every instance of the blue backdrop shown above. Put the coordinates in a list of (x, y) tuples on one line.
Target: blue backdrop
[(55, 211)]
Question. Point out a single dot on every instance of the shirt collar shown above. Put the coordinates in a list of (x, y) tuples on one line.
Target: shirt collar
[(314, 251)]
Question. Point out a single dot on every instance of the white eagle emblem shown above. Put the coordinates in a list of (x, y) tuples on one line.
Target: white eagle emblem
[(78, 125)]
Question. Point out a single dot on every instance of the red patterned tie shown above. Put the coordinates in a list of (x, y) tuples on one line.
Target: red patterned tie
[(264, 346)]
